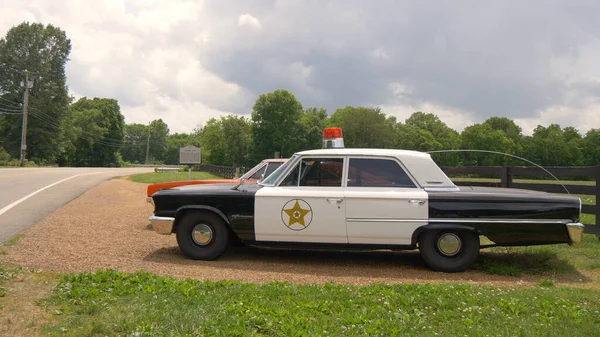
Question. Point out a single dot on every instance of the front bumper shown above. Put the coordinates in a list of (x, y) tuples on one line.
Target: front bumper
[(162, 224), (575, 230)]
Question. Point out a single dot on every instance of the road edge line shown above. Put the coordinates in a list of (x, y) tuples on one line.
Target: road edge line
[(7, 208)]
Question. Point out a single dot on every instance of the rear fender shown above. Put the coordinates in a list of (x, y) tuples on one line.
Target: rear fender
[(428, 227)]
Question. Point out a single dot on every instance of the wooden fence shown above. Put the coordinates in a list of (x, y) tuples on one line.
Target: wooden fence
[(507, 175)]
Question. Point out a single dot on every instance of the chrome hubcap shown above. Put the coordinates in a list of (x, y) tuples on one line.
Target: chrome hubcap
[(449, 244), (202, 234)]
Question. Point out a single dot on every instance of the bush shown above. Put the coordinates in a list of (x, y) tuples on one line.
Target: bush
[(4, 156)]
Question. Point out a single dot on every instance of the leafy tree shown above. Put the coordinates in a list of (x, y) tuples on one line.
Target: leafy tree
[(98, 126), (484, 137), (237, 135), (136, 138), (442, 133), (364, 127), (410, 137), (313, 122), (591, 147), (553, 146), (159, 132), (42, 52), (276, 124), (214, 147), (506, 125)]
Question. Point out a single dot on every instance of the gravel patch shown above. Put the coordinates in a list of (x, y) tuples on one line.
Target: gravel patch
[(107, 228)]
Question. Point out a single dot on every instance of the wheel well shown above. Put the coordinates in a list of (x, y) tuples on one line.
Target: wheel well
[(419, 231), (180, 213)]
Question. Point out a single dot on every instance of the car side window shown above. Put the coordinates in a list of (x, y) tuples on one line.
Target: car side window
[(272, 166), (377, 173), (316, 172), (257, 174)]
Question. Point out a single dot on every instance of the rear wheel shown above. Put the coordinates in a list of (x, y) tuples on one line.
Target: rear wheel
[(449, 250), (202, 235)]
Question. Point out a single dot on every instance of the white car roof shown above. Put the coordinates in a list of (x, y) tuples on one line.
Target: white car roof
[(365, 152), (419, 164)]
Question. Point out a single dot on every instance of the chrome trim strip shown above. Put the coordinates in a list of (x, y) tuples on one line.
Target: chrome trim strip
[(162, 224), (575, 230), (488, 220), (384, 220)]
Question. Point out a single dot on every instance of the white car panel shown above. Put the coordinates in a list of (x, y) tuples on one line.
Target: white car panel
[(320, 208)]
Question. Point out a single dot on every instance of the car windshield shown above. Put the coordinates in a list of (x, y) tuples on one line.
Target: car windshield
[(272, 178)]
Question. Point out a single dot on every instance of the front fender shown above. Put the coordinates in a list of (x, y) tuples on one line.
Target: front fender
[(183, 209)]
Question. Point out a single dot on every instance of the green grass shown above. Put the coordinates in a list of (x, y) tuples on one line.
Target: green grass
[(162, 177), (541, 260), (114, 303), (6, 273), (14, 240)]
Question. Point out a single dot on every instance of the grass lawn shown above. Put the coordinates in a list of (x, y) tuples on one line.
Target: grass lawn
[(162, 177), (141, 304)]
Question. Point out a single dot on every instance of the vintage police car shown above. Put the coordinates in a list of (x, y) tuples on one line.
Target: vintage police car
[(352, 198)]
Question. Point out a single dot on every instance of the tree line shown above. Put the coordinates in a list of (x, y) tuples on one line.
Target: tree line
[(92, 131)]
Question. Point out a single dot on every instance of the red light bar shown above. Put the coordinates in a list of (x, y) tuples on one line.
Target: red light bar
[(329, 133)]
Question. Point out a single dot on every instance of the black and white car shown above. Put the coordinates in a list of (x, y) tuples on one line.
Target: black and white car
[(352, 198)]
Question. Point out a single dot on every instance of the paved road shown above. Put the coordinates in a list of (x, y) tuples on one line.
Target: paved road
[(27, 195)]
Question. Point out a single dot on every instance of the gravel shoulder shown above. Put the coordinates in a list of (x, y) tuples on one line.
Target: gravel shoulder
[(107, 228)]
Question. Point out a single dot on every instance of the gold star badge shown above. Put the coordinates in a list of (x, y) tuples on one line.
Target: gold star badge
[(296, 214)]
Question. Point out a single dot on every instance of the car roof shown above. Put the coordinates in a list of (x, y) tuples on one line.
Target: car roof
[(365, 152)]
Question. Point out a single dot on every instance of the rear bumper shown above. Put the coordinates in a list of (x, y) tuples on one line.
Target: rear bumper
[(575, 230), (162, 224)]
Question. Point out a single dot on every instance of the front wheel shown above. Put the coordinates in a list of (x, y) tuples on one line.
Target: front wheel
[(449, 250), (202, 235)]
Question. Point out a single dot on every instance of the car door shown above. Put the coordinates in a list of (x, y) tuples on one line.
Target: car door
[(307, 206), (384, 205)]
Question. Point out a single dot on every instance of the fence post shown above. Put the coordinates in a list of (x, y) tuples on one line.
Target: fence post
[(597, 212), (505, 177)]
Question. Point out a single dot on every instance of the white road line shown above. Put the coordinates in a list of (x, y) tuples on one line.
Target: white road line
[(7, 208)]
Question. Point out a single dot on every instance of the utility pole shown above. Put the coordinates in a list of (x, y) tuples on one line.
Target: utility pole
[(27, 86), (148, 145)]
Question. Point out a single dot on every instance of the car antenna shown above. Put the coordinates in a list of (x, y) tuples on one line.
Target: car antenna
[(506, 154)]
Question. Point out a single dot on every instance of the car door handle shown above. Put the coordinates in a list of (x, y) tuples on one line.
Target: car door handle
[(338, 200), (417, 201)]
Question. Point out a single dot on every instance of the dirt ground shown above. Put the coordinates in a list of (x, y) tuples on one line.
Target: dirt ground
[(108, 228)]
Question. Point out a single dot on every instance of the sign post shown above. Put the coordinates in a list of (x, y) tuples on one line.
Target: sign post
[(190, 155)]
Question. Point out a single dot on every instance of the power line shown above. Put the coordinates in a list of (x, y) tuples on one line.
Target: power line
[(2, 112)]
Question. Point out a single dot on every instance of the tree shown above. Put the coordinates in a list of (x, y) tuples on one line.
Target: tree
[(313, 122), (591, 147), (506, 125), (276, 124), (484, 137), (409, 137), (136, 138), (237, 135), (42, 52), (99, 128), (214, 148), (159, 131), (364, 127), (444, 135), (553, 146)]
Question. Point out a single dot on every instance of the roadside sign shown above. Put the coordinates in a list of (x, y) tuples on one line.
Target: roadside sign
[(190, 155)]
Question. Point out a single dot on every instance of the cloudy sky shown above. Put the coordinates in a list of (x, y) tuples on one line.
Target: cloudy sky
[(535, 61)]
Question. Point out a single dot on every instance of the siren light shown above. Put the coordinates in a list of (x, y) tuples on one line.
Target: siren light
[(333, 138)]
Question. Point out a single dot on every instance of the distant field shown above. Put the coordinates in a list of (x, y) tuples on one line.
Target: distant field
[(163, 177)]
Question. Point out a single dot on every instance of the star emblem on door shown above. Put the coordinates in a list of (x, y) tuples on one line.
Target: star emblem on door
[(296, 214)]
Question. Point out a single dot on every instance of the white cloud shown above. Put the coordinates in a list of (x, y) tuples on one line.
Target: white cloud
[(186, 61), (248, 20)]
